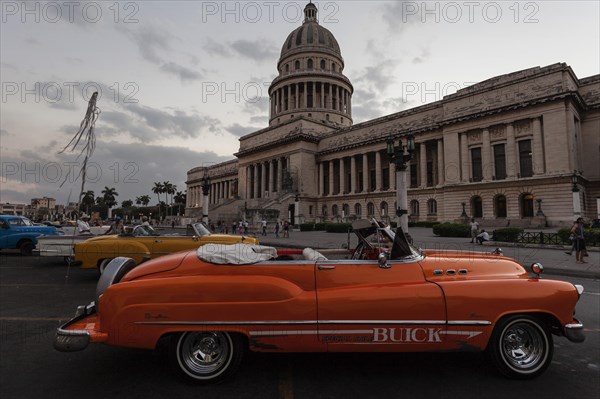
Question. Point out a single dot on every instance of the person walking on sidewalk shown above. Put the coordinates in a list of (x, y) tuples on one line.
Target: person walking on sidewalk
[(577, 232), (474, 229)]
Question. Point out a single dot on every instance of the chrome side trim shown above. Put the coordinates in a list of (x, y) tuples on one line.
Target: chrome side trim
[(321, 322), (469, 323)]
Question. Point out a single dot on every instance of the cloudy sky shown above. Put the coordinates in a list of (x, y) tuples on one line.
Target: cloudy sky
[(181, 81)]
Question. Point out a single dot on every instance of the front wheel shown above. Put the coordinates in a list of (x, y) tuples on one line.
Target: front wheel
[(26, 248), (521, 347), (205, 357)]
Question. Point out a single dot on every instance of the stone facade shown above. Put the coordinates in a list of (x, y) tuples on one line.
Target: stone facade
[(508, 148)]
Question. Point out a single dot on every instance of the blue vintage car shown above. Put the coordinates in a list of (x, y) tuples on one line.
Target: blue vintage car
[(18, 232)]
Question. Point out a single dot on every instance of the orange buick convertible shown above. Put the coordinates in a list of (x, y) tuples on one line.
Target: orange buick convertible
[(213, 303)]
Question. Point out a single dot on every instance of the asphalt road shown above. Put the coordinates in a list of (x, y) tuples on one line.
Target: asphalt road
[(37, 294)]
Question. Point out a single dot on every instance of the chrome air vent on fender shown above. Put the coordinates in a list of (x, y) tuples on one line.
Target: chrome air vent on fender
[(113, 273)]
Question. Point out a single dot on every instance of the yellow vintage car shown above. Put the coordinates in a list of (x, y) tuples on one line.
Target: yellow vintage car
[(142, 243)]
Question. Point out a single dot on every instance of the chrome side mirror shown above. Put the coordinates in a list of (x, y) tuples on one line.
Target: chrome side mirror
[(538, 269), (382, 260), (195, 238)]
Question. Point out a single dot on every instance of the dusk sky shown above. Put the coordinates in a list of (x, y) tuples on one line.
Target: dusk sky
[(181, 81)]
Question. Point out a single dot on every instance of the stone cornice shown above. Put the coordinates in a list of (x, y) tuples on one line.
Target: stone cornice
[(301, 136)]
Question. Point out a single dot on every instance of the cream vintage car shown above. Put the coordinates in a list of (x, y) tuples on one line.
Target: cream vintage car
[(142, 243)]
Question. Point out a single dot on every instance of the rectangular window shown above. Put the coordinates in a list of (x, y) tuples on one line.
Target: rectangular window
[(414, 179), (429, 173), (385, 176), (372, 181), (500, 161), (476, 169), (525, 159)]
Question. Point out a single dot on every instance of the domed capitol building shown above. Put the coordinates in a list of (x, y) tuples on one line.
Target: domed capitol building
[(520, 149)]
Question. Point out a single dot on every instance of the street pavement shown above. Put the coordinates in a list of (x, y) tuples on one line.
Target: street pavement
[(552, 257)]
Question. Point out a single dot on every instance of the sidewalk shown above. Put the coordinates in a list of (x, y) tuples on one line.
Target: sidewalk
[(553, 258)]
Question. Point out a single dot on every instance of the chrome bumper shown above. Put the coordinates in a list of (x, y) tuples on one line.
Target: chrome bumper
[(74, 340), (574, 332)]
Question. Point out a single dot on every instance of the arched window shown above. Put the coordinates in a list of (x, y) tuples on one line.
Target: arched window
[(431, 207), (310, 63), (334, 210), (384, 209), (500, 206), (414, 208), (370, 209), (357, 209), (332, 67), (322, 64), (527, 205), (345, 210), (324, 210), (287, 67), (297, 65), (476, 207)]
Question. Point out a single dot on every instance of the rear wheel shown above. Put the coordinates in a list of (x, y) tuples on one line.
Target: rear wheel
[(26, 248), (521, 347), (205, 357)]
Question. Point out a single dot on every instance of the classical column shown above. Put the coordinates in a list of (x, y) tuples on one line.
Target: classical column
[(322, 105), (314, 96), (331, 179), (392, 177), (271, 185), (440, 162), (279, 174), (511, 158), (330, 100), (342, 177), (352, 174), (297, 105), (464, 158), (263, 179), (321, 190), (537, 147), (365, 168), (423, 164), (377, 170), (486, 156), (256, 182)]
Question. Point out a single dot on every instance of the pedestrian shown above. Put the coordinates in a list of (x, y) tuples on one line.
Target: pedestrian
[(577, 231), (173, 224), (245, 227), (264, 227), (83, 226), (474, 229), (116, 227), (277, 227), (286, 229), (241, 228), (483, 236)]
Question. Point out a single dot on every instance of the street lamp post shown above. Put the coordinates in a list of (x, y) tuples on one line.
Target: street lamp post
[(399, 156), (205, 192)]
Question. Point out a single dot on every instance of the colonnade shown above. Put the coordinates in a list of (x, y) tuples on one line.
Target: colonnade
[(219, 191), (311, 94), (266, 177)]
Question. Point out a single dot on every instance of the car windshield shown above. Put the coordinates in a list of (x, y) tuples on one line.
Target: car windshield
[(375, 237), (200, 230)]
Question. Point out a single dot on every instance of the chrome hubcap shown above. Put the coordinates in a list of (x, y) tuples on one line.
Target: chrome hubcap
[(523, 345), (204, 353)]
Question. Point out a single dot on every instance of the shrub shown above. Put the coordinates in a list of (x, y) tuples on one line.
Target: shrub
[(564, 234), (592, 237), (508, 234), (338, 227), (320, 226), (307, 227), (451, 230)]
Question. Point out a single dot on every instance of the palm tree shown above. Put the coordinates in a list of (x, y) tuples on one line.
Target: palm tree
[(157, 189), (145, 199), (109, 195), (88, 200), (167, 190)]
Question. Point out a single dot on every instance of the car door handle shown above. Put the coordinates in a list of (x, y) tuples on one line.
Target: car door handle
[(326, 267), (157, 240)]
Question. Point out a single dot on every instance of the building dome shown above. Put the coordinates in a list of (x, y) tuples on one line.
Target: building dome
[(311, 82), (310, 37)]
